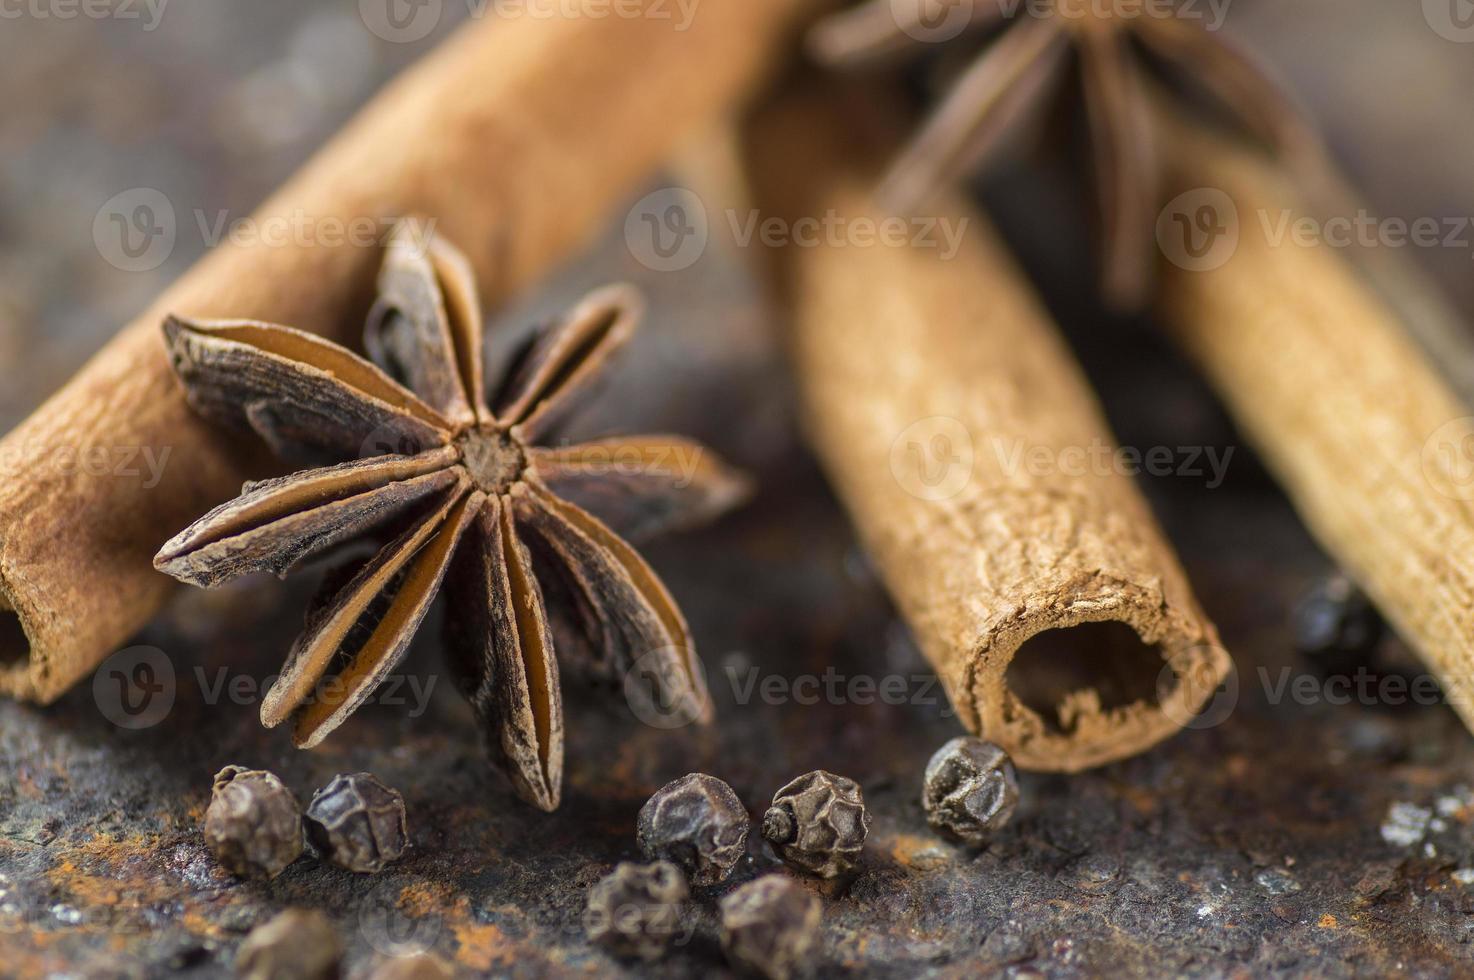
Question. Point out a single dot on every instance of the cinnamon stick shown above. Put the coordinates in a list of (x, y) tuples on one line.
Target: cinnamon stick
[(517, 137), (1369, 441), (921, 376)]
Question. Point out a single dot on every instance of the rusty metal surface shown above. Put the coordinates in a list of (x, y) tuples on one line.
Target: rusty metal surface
[(1287, 834), (1256, 844)]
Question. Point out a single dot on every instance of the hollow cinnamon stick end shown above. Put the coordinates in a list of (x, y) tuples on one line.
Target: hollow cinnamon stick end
[(27, 664), (1080, 679), (50, 638)]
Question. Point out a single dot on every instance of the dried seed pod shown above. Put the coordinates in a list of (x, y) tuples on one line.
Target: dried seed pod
[(769, 927), (970, 789), (818, 823), (636, 910), (298, 944), (697, 822), (357, 823), (254, 823), (472, 492)]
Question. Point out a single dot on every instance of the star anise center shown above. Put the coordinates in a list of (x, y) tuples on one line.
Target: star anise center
[(453, 484), (493, 457)]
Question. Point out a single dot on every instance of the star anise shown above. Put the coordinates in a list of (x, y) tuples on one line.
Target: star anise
[(463, 493), (1011, 79)]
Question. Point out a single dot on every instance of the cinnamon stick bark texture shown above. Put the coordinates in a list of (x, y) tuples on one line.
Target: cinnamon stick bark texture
[(952, 419), (517, 137), (1367, 438)]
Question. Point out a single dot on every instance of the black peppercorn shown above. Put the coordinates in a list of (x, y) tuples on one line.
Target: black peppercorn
[(636, 911), (421, 966), (254, 823), (298, 944), (1337, 627), (698, 823), (769, 927), (818, 823), (357, 823), (970, 789)]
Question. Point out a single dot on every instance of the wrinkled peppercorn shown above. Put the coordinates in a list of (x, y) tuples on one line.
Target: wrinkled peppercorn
[(818, 823), (254, 823), (636, 911), (298, 944), (970, 789), (357, 823), (1337, 627), (698, 823), (769, 927), (421, 966)]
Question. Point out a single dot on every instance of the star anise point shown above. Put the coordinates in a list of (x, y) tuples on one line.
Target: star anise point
[(1009, 80)]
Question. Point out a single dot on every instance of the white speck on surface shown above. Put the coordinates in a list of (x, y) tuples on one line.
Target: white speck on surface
[(1277, 882), (66, 915), (1406, 824), (1455, 802), (1464, 876)]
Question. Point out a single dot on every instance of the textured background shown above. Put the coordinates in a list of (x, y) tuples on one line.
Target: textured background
[(1271, 840)]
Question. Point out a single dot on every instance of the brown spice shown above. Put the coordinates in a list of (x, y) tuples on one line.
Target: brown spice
[(1367, 438), (770, 927), (254, 823), (421, 966), (1117, 45), (915, 368), (462, 491), (636, 909), (298, 944), (818, 823), (969, 790), (517, 136), (358, 823), (698, 823)]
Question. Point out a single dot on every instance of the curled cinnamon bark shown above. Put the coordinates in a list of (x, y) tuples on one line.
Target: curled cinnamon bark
[(1372, 445), (517, 137), (928, 380)]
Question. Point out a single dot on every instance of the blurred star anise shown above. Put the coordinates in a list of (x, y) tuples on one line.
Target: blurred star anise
[(464, 495), (1120, 44)]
